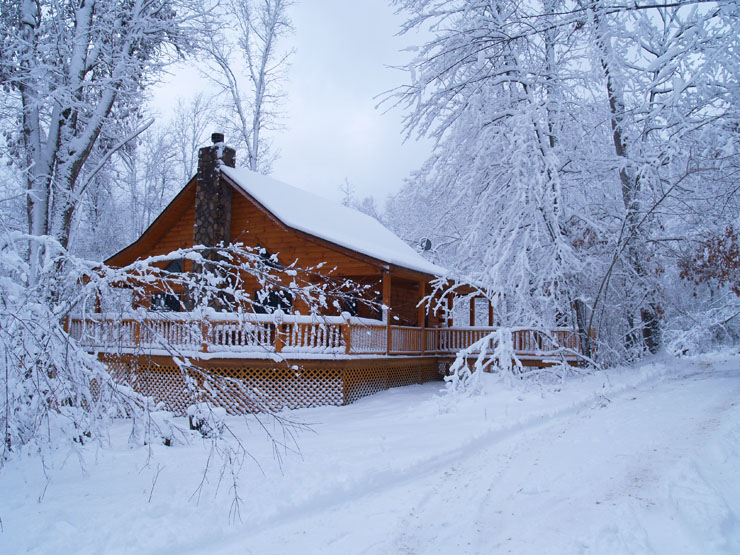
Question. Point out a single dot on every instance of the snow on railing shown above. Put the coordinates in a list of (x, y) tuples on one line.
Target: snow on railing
[(216, 332), (127, 332), (452, 340), (181, 334), (312, 338), (245, 334), (297, 334)]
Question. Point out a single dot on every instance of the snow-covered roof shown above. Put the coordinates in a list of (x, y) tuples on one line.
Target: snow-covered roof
[(343, 226)]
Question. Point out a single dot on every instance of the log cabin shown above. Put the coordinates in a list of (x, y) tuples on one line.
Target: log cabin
[(284, 356)]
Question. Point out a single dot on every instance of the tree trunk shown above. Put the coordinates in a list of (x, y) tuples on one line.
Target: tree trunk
[(584, 336), (631, 188)]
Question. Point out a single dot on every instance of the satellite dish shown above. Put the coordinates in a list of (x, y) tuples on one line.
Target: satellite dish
[(426, 244)]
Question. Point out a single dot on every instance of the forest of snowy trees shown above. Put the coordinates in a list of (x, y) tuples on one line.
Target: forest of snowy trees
[(585, 164), (585, 168)]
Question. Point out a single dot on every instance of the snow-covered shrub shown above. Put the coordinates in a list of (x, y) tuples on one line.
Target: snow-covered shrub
[(156, 426), (714, 323), (207, 419), (53, 391), (705, 303), (495, 353)]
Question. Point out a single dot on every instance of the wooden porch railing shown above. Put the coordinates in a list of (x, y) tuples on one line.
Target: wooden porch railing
[(255, 334)]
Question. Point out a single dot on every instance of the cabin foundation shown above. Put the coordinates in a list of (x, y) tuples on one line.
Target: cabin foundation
[(247, 386)]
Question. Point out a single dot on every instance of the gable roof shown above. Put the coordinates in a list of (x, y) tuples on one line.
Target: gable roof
[(330, 221)]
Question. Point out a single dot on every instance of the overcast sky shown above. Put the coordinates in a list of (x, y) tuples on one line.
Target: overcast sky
[(332, 129)]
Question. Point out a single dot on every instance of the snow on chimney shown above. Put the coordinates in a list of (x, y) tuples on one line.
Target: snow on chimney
[(213, 196)]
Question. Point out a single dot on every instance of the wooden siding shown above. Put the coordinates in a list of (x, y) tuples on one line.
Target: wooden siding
[(253, 226), (161, 229), (404, 298), (179, 236)]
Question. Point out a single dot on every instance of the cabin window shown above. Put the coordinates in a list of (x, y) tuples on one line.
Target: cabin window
[(166, 302), (481, 311), (562, 319), (379, 304), (267, 302), (350, 305), (269, 259), (174, 267)]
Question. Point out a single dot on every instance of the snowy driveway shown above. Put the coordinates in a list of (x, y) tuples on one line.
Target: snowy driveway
[(629, 461), (654, 470)]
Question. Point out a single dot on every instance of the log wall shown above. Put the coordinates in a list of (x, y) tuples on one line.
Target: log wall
[(252, 226)]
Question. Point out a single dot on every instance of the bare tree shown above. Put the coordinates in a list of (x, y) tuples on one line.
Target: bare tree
[(140, 179), (188, 129), (255, 102), (366, 205), (147, 177)]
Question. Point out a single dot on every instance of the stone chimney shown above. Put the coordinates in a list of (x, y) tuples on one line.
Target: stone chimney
[(212, 196), (212, 213)]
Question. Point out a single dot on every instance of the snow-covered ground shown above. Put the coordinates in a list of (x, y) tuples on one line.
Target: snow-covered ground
[(632, 460)]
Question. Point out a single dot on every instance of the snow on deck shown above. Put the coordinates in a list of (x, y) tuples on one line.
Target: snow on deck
[(330, 221)]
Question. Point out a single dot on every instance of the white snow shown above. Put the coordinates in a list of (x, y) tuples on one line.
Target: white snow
[(632, 460), (330, 221)]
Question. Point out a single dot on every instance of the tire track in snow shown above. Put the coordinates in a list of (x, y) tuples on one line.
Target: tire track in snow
[(335, 497), (487, 492), (431, 466), (436, 515), (641, 495)]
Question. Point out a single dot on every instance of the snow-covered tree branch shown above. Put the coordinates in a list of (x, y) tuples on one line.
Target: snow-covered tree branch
[(76, 72), (580, 150), (54, 387)]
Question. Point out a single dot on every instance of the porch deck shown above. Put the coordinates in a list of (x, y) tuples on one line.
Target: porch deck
[(273, 336), (330, 360)]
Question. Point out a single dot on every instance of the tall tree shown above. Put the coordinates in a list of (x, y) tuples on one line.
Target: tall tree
[(140, 179), (493, 99), (252, 49), (188, 128), (75, 70), (667, 74)]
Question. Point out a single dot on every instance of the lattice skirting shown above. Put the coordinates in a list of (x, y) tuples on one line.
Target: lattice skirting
[(256, 385)]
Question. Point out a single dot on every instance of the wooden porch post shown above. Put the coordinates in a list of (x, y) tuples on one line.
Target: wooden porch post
[(421, 316), (449, 322), (205, 334), (347, 335), (387, 308), (472, 311), (278, 338), (490, 314)]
